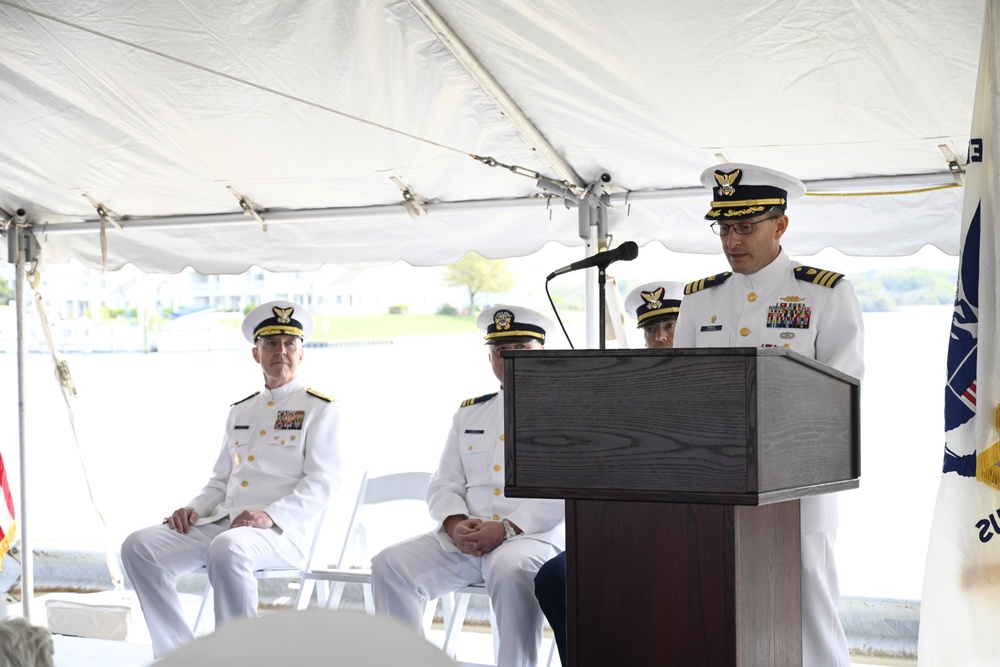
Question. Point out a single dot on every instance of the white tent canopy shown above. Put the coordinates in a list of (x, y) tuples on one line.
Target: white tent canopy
[(320, 113)]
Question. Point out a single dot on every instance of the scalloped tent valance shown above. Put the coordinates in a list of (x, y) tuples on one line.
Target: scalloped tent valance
[(290, 135)]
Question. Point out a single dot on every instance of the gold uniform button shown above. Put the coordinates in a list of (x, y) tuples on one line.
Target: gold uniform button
[(263, 432), (744, 332), (788, 345), (250, 458), (293, 437), (501, 437), (496, 517), (244, 483), (496, 492), (751, 297), (470, 448), (283, 442), (496, 468), (270, 403)]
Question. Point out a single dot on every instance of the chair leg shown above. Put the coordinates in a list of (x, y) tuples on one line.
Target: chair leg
[(205, 597), (336, 592), (369, 599), (304, 597), (429, 615), (552, 652), (454, 626), (447, 608), (496, 634)]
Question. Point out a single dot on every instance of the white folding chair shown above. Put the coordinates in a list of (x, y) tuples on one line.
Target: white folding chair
[(354, 563), (456, 619), (269, 573)]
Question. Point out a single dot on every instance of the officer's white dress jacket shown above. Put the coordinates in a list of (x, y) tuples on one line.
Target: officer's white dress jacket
[(470, 478), (280, 455), (774, 308)]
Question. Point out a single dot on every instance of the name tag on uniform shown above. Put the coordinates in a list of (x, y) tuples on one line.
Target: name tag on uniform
[(240, 427), (712, 327), (473, 430)]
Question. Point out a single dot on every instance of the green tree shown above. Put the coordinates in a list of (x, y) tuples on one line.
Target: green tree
[(888, 289), (6, 292), (479, 275)]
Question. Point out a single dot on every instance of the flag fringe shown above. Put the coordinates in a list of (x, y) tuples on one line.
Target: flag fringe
[(988, 466), (7, 540)]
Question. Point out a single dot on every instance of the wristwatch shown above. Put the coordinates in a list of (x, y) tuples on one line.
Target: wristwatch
[(508, 529)]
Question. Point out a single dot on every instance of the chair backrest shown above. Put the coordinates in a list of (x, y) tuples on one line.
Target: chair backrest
[(401, 486)]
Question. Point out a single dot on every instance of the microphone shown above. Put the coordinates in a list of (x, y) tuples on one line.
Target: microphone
[(626, 252)]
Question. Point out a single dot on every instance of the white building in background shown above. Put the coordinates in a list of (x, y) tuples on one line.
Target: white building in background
[(72, 292)]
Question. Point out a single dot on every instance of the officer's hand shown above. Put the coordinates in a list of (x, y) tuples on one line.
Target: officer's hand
[(252, 519), (462, 530), (181, 520), (486, 537)]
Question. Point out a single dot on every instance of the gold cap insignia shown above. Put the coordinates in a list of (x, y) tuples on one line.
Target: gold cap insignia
[(502, 319), (284, 315), (727, 182), (652, 299)]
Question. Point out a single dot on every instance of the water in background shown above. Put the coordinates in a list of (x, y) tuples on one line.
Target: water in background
[(151, 426)]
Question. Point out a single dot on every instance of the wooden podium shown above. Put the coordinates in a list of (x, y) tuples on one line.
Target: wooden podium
[(681, 471)]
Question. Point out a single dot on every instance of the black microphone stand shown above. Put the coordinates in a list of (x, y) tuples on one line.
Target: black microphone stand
[(602, 279), (601, 263)]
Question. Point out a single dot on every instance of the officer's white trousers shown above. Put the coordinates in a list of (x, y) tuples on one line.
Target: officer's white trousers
[(154, 557), (407, 575), (824, 643)]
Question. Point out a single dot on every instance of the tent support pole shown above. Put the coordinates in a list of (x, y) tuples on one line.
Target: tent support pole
[(21, 242), (485, 80)]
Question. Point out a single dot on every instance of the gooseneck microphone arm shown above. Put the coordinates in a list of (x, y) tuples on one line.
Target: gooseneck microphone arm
[(626, 252)]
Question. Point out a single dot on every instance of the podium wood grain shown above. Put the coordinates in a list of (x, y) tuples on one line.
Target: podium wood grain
[(682, 471)]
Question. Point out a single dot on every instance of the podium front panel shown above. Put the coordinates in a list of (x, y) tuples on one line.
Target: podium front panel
[(730, 425)]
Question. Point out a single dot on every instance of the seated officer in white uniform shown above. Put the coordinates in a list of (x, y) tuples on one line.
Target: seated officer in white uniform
[(770, 301), (656, 306), (484, 536), (276, 471)]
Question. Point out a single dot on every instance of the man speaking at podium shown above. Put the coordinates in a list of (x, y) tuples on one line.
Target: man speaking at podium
[(770, 301)]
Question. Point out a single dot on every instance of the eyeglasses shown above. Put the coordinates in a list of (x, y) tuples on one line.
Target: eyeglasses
[(742, 228)]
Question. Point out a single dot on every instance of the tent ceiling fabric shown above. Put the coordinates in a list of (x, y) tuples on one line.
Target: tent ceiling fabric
[(310, 109)]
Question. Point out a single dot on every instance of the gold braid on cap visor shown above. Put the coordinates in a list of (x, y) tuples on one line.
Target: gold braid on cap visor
[(659, 312), (515, 334), (276, 329), (752, 206)]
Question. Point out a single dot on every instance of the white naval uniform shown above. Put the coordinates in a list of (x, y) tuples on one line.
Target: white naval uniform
[(820, 322), (470, 481), (280, 455)]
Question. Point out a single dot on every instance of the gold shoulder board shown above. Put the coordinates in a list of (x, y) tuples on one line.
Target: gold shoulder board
[(705, 283), (245, 399), (815, 276), (478, 399), (320, 396)]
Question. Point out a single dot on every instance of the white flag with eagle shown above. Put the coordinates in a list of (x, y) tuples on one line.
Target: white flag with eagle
[(960, 605)]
